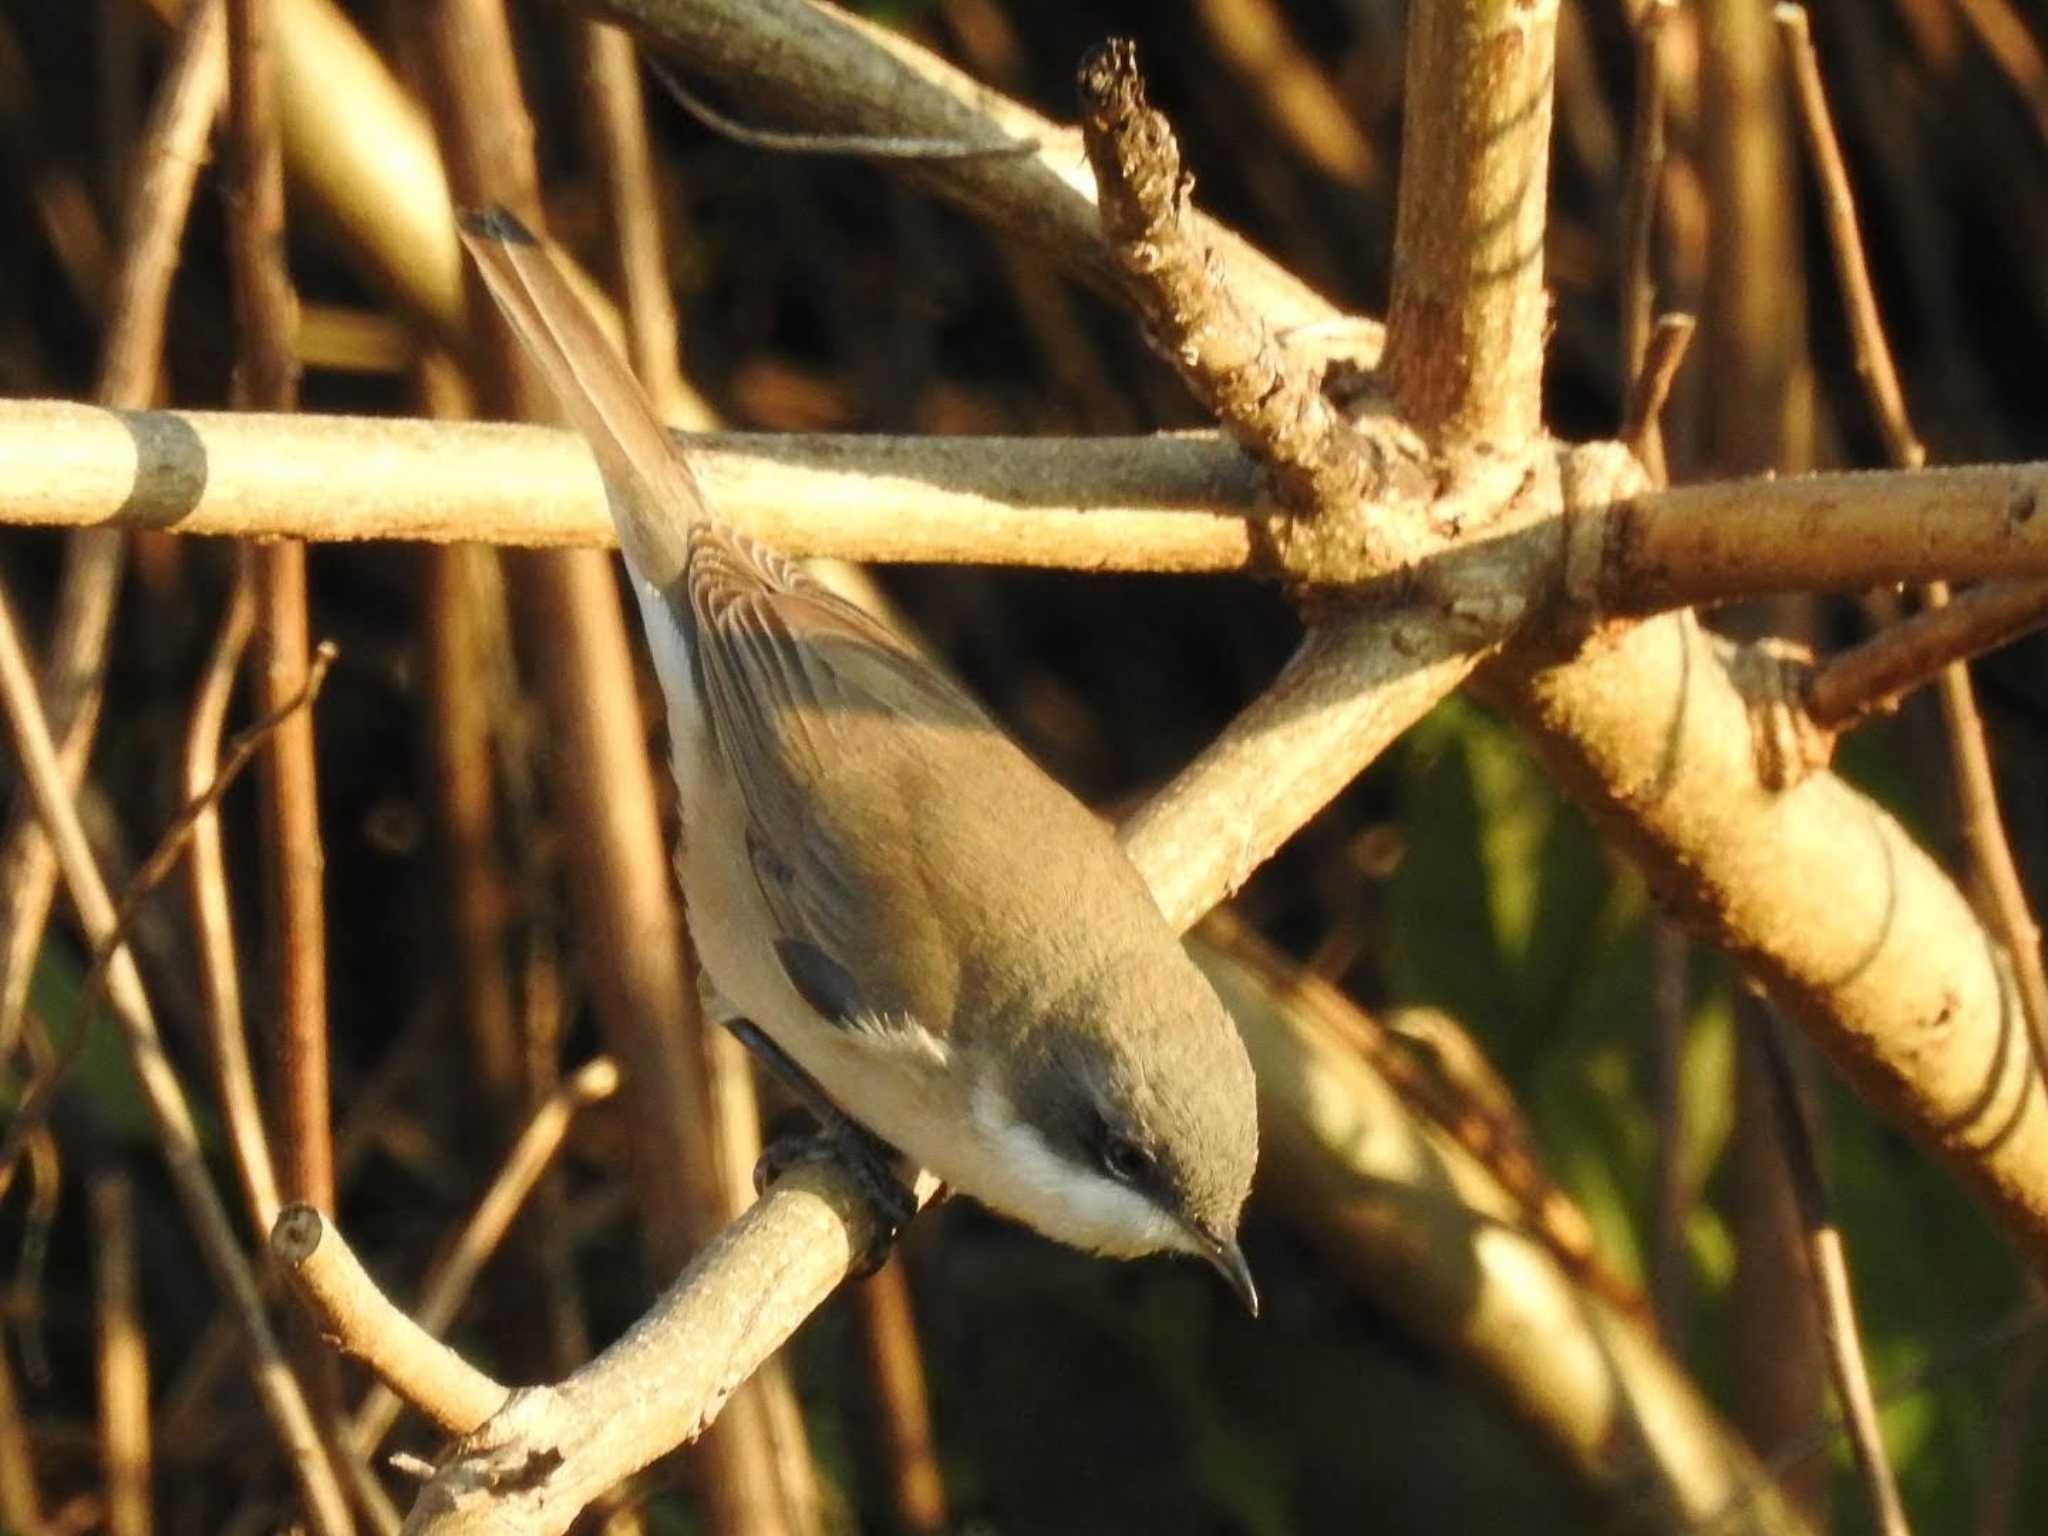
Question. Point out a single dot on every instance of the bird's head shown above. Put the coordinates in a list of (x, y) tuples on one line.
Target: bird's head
[(1128, 1122)]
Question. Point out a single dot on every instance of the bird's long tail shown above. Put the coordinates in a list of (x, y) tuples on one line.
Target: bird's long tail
[(654, 497)]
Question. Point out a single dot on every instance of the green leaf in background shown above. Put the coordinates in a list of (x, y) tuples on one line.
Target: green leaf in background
[(55, 993)]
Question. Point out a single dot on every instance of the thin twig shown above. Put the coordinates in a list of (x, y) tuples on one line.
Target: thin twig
[(169, 157), (21, 1498), (212, 912), (615, 123), (25, 1297), (1671, 1180), (765, 1413), (1870, 678), (2010, 1454), (624, 906), (1642, 186), (1301, 103), (1651, 387), (2005, 36), (102, 977), (1874, 363), (1828, 1274), (279, 1392), (63, 203), (1991, 856), (123, 1359), (460, 579)]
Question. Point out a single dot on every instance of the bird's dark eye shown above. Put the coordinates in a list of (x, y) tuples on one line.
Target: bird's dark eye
[(1126, 1160)]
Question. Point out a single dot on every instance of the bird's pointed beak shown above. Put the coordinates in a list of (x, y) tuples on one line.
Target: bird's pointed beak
[(1228, 1260)]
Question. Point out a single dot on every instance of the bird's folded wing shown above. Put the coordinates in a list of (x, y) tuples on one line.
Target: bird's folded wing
[(834, 730)]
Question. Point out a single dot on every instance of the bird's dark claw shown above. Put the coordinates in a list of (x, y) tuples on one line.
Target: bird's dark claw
[(868, 1159)]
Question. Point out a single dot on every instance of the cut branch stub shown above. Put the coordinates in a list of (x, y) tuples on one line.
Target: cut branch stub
[(1268, 397)]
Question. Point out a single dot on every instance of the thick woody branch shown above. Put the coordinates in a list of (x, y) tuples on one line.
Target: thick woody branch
[(797, 64), (1721, 540), (536, 1463), (1880, 959), (1417, 1223), (1352, 688), (1469, 317)]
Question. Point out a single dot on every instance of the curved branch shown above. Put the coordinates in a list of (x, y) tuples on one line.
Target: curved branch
[(820, 68)]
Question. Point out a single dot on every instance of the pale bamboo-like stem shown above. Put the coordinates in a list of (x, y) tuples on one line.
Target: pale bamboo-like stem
[(279, 1393), (1182, 503), (1094, 504)]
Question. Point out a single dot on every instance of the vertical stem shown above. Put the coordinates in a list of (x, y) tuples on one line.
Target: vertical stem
[(1466, 326), (899, 1420), (478, 892), (21, 1502), (1671, 1181), (123, 1360), (267, 379), (213, 913), (1827, 1273), (615, 123)]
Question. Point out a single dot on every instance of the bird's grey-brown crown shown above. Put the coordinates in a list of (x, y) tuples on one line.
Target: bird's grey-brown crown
[(1141, 1076)]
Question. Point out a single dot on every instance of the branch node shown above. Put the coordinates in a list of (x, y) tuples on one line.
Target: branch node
[(1597, 480), (1772, 676)]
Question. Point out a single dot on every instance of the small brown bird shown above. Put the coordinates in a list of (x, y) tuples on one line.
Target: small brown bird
[(943, 940)]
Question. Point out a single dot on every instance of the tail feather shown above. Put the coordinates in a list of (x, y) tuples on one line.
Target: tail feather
[(654, 497)]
